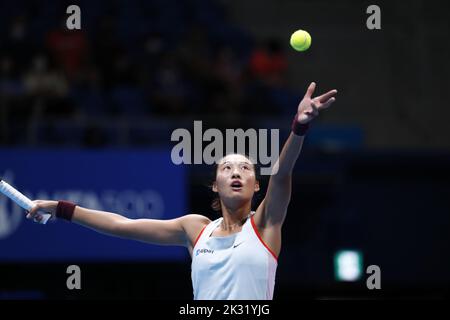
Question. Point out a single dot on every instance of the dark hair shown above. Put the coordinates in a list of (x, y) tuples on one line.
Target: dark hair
[(215, 204)]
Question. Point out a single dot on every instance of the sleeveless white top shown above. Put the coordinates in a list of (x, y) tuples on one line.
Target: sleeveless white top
[(235, 267)]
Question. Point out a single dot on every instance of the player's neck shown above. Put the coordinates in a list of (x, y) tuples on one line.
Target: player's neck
[(234, 217)]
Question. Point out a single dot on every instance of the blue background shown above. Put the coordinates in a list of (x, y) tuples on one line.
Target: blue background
[(90, 171)]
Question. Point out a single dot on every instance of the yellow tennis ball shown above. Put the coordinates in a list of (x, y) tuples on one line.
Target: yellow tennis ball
[(300, 40)]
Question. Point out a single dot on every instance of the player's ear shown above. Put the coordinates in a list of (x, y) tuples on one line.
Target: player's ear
[(257, 186), (214, 187)]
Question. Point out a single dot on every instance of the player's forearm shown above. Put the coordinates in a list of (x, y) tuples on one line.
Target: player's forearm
[(162, 232), (100, 221), (289, 155), (307, 110)]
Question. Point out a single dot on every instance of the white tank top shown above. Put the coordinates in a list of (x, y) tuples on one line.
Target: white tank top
[(235, 267)]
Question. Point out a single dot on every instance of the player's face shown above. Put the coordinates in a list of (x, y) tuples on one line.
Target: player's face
[(235, 178)]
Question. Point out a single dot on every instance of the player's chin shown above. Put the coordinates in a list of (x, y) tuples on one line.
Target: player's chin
[(241, 195), (237, 191)]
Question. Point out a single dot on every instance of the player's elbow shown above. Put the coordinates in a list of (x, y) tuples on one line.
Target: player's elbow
[(282, 178), (121, 228)]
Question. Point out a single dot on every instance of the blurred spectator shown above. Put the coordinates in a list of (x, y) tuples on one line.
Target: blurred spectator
[(124, 70), (136, 62), (17, 44), (40, 80), (14, 111), (170, 89), (68, 48), (49, 86), (267, 68), (227, 68), (151, 52), (10, 82), (105, 49), (227, 72), (89, 94), (268, 63), (195, 54)]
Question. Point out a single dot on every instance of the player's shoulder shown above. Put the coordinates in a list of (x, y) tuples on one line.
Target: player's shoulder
[(193, 224), (195, 220)]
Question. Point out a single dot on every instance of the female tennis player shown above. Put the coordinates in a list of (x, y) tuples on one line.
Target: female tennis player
[(234, 256)]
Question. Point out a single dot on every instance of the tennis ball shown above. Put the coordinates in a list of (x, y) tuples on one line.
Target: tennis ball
[(300, 40)]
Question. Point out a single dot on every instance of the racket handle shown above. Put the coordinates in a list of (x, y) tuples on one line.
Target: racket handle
[(22, 200), (45, 217)]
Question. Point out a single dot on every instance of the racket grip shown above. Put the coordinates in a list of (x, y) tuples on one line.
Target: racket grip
[(45, 217), (22, 201), (27, 204)]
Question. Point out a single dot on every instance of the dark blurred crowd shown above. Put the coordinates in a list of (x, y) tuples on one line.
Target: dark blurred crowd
[(130, 59)]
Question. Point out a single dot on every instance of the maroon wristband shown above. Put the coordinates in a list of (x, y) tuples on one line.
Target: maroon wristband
[(64, 210), (298, 128)]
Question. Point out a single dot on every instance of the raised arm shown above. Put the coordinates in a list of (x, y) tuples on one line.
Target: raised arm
[(273, 208), (180, 231)]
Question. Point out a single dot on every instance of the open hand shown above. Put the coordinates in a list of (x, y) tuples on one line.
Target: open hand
[(309, 107)]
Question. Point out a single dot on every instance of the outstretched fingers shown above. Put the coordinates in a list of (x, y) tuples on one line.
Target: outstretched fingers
[(310, 90), (326, 96), (327, 104)]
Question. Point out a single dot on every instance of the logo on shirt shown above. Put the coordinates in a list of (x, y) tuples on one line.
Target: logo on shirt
[(203, 251), (237, 245)]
